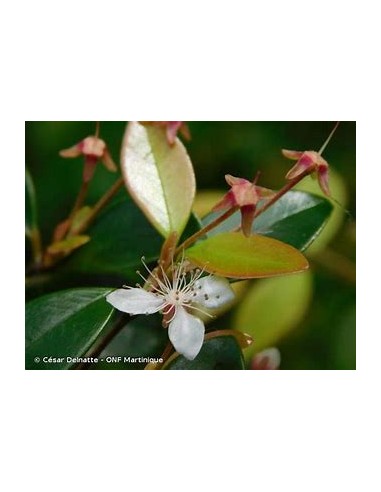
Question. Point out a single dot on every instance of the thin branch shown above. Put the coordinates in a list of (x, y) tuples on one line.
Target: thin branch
[(79, 200), (287, 187), (205, 229), (101, 203)]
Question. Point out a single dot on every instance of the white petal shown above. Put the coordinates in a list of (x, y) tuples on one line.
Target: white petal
[(212, 292), (186, 333), (135, 301)]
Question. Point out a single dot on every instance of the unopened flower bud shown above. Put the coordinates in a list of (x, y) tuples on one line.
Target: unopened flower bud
[(309, 162), (245, 195), (93, 149), (171, 129), (267, 359)]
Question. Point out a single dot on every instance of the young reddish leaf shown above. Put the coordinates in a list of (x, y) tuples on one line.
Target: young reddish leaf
[(232, 255), (159, 177)]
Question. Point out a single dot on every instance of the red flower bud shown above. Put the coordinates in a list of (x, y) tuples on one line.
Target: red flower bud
[(310, 162), (245, 195), (93, 149), (267, 359), (171, 129)]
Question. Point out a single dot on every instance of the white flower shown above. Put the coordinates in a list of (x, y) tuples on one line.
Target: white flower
[(175, 299)]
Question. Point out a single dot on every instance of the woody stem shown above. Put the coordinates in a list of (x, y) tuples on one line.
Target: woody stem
[(287, 187), (205, 229), (232, 210), (165, 355), (101, 203), (80, 199)]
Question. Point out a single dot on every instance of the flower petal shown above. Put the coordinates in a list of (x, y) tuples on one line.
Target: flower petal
[(89, 168), (212, 292), (292, 154), (108, 162), (323, 179), (305, 163), (186, 333), (74, 151), (247, 219), (93, 146), (172, 129), (135, 301), (233, 180), (228, 201), (264, 192)]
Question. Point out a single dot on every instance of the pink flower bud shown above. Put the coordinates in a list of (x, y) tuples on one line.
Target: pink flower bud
[(171, 129), (309, 162), (267, 359), (176, 126), (93, 149), (245, 195)]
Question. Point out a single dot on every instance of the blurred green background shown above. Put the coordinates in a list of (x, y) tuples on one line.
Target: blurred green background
[(321, 334)]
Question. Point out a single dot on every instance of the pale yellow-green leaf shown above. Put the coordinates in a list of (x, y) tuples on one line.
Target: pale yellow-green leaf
[(272, 308), (159, 177), (80, 217), (68, 245), (232, 255)]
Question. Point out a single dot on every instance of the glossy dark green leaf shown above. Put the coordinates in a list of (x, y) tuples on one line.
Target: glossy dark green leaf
[(142, 337), (159, 177), (64, 325), (296, 219), (217, 353), (233, 255), (119, 239), (338, 188)]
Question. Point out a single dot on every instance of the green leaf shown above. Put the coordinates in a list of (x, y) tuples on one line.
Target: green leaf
[(159, 177), (221, 352), (30, 204), (344, 345), (296, 219), (68, 245), (235, 256), (143, 336), (272, 308), (64, 325), (119, 239), (339, 193), (80, 217), (32, 231)]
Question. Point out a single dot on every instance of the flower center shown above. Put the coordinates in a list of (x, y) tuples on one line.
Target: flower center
[(177, 298)]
